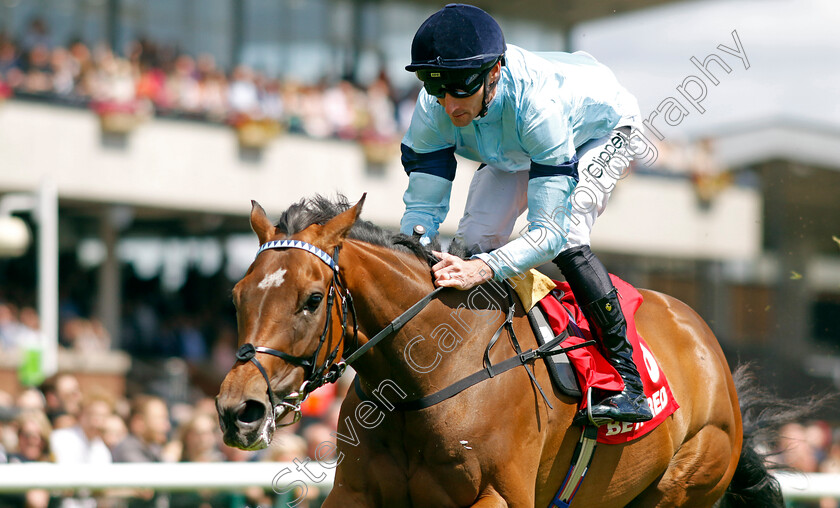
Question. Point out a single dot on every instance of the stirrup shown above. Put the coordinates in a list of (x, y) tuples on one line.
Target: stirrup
[(585, 416)]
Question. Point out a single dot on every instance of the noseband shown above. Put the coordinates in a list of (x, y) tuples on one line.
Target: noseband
[(316, 375)]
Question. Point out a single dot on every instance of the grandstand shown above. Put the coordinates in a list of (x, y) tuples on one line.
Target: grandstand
[(157, 122)]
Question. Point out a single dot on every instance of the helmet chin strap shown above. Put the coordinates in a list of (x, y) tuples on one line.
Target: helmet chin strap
[(487, 89)]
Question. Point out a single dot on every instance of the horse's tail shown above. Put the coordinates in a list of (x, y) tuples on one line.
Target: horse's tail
[(763, 414)]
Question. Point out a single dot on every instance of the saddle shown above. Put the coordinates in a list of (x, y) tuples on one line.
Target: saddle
[(559, 367), (579, 370)]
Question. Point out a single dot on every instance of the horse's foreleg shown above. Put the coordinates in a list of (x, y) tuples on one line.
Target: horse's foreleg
[(490, 499)]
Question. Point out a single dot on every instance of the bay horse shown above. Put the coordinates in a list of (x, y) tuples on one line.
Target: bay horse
[(495, 444)]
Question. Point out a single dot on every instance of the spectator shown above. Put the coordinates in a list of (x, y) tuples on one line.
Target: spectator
[(31, 399), (115, 432), (30, 324), (38, 71), (83, 64), (200, 440), (182, 86), (36, 35), (33, 433), (223, 351), (63, 398), (114, 80), (242, 93), (7, 415), (11, 69), (148, 431), (149, 427), (213, 95), (338, 103), (150, 85), (312, 113), (14, 333), (320, 440), (65, 72), (272, 101), (8, 328), (382, 125), (85, 335), (285, 447), (83, 444)]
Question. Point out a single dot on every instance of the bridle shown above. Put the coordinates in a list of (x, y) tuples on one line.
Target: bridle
[(316, 375)]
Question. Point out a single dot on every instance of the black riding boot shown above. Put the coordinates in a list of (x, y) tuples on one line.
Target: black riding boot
[(607, 323), (598, 298)]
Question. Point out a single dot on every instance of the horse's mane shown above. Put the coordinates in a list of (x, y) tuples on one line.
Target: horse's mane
[(320, 209)]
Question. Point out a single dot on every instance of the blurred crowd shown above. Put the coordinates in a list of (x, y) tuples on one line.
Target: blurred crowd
[(181, 345), (809, 447), (61, 422), (156, 79)]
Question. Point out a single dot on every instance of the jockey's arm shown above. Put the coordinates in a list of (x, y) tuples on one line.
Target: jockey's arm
[(549, 218), (426, 199), (547, 137)]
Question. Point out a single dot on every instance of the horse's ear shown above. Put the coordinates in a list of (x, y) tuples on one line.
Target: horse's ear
[(260, 223), (335, 231)]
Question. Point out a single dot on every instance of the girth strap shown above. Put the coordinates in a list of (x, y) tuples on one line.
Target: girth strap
[(581, 459)]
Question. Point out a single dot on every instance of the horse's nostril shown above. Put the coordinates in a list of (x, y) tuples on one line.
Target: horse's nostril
[(253, 411)]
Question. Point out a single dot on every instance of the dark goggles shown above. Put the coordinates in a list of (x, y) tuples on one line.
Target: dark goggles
[(460, 83)]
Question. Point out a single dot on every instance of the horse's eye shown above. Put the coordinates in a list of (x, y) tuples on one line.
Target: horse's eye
[(313, 302)]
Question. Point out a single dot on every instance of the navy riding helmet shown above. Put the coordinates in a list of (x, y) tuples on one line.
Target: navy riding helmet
[(454, 50)]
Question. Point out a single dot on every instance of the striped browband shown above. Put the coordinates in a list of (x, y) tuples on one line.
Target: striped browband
[(297, 244)]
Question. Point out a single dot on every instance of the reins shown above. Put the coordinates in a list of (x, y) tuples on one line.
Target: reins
[(394, 325), (490, 370)]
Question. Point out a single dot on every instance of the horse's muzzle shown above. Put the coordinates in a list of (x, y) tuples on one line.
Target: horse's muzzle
[(246, 425)]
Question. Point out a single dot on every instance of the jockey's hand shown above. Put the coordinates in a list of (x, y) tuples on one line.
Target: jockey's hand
[(454, 272)]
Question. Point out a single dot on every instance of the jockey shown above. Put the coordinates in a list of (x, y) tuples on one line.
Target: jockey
[(551, 131)]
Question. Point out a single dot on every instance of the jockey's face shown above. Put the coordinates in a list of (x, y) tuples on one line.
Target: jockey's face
[(462, 111)]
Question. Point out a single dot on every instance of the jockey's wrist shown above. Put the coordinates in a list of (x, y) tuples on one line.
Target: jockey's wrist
[(488, 261)]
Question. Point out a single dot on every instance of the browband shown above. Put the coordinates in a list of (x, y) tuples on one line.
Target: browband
[(297, 244)]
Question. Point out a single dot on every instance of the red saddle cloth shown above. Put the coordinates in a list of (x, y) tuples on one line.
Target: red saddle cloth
[(594, 371)]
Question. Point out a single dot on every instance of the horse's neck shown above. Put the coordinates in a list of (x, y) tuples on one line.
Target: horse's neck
[(384, 284)]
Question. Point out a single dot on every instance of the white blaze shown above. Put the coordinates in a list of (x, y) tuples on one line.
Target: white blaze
[(272, 280)]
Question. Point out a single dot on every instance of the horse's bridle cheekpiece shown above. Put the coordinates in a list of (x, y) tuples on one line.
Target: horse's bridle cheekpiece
[(316, 375)]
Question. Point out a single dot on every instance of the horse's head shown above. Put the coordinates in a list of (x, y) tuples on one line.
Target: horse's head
[(289, 315)]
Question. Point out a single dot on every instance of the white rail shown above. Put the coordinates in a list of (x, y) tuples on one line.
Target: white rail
[(809, 485), (179, 476), (277, 475)]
